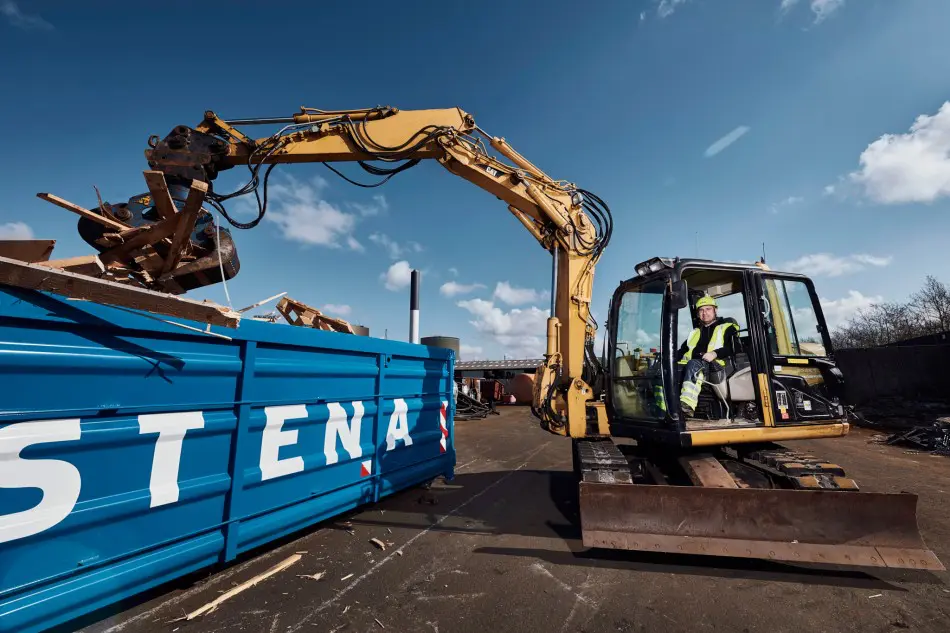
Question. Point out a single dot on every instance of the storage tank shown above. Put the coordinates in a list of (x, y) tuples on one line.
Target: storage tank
[(445, 342), (360, 330), (521, 386)]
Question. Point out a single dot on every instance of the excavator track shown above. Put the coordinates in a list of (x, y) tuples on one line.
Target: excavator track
[(793, 469)]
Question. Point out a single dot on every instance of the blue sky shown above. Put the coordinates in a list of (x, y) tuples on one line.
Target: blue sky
[(722, 124)]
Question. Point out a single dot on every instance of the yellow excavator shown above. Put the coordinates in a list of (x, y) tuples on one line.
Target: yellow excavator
[(650, 477)]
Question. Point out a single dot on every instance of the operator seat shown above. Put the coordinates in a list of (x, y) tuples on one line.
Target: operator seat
[(733, 383)]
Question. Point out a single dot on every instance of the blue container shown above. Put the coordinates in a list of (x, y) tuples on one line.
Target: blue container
[(133, 451)]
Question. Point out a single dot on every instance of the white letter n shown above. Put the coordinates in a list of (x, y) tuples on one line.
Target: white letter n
[(348, 434)]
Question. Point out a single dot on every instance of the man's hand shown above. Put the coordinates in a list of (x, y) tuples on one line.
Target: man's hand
[(709, 357)]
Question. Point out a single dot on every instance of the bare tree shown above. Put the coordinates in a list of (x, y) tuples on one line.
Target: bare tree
[(927, 312), (932, 304)]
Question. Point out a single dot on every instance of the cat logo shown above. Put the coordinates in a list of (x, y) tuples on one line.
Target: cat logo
[(491, 171), (145, 200)]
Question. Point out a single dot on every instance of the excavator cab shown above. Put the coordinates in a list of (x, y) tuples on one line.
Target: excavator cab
[(777, 381), (717, 482)]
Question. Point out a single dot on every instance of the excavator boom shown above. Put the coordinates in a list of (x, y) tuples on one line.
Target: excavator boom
[(573, 224)]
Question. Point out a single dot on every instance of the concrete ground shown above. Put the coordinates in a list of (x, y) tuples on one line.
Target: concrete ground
[(500, 551)]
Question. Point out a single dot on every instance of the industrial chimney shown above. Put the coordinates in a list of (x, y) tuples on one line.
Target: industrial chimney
[(414, 308)]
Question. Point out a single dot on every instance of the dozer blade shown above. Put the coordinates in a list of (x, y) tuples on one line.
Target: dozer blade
[(817, 526)]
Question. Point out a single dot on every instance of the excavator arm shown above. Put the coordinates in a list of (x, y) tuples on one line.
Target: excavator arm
[(572, 224)]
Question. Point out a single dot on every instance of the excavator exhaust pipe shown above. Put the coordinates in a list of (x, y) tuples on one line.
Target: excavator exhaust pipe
[(814, 526)]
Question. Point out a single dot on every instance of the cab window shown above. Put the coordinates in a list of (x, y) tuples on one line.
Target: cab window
[(788, 313)]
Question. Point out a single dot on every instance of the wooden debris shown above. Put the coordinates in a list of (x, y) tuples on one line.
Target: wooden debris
[(298, 313), (160, 197), (347, 577), (86, 213), (345, 609), (186, 223), (706, 471), (399, 552), (31, 251), (316, 576), (211, 606), (379, 623), (89, 265), (38, 277), (378, 543)]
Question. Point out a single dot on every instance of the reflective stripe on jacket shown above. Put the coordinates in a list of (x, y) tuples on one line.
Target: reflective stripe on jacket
[(716, 341)]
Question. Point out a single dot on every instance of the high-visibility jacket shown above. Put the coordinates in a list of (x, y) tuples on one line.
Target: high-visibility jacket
[(722, 329)]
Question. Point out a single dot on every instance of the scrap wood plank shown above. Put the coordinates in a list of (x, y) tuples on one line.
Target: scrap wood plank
[(86, 213), (31, 251), (706, 471), (83, 265), (154, 234), (160, 197), (37, 277), (189, 215), (211, 606)]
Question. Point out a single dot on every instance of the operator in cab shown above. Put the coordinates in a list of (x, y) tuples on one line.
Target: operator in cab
[(705, 350)]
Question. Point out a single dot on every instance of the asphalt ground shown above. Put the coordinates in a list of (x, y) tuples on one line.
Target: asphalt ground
[(498, 549)]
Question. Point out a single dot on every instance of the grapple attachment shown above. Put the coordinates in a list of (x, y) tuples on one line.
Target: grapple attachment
[(816, 526)]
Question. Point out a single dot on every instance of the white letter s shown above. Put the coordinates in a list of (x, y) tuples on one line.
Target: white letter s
[(59, 480)]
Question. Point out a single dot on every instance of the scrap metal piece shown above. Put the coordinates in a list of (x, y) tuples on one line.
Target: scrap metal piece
[(817, 526)]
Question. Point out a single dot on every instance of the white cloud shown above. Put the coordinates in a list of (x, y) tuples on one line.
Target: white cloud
[(726, 141), (15, 231), (787, 202), (667, 7), (339, 310), (387, 243), (304, 216), (824, 8), (519, 332), (840, 311), (514, 296), (642, 337), (17, 18), (377, 207), (828, 190), (452, 288), (911, 167), (393, 247), (471, 352), (828, 265), (643, 16), (454, 271), (821, 8), (397, 276)]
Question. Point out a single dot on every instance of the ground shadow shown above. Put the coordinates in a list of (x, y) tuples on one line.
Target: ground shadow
[(556, 515)]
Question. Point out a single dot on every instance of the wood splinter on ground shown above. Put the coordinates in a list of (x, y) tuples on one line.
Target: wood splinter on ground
[(379, 623), (211, 606), (316, 576), (378, 543), (347, 577)]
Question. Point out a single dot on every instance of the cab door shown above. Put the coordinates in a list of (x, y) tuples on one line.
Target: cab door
[(794, 338)]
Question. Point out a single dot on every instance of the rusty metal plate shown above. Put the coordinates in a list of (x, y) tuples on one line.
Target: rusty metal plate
[(819, 526)]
